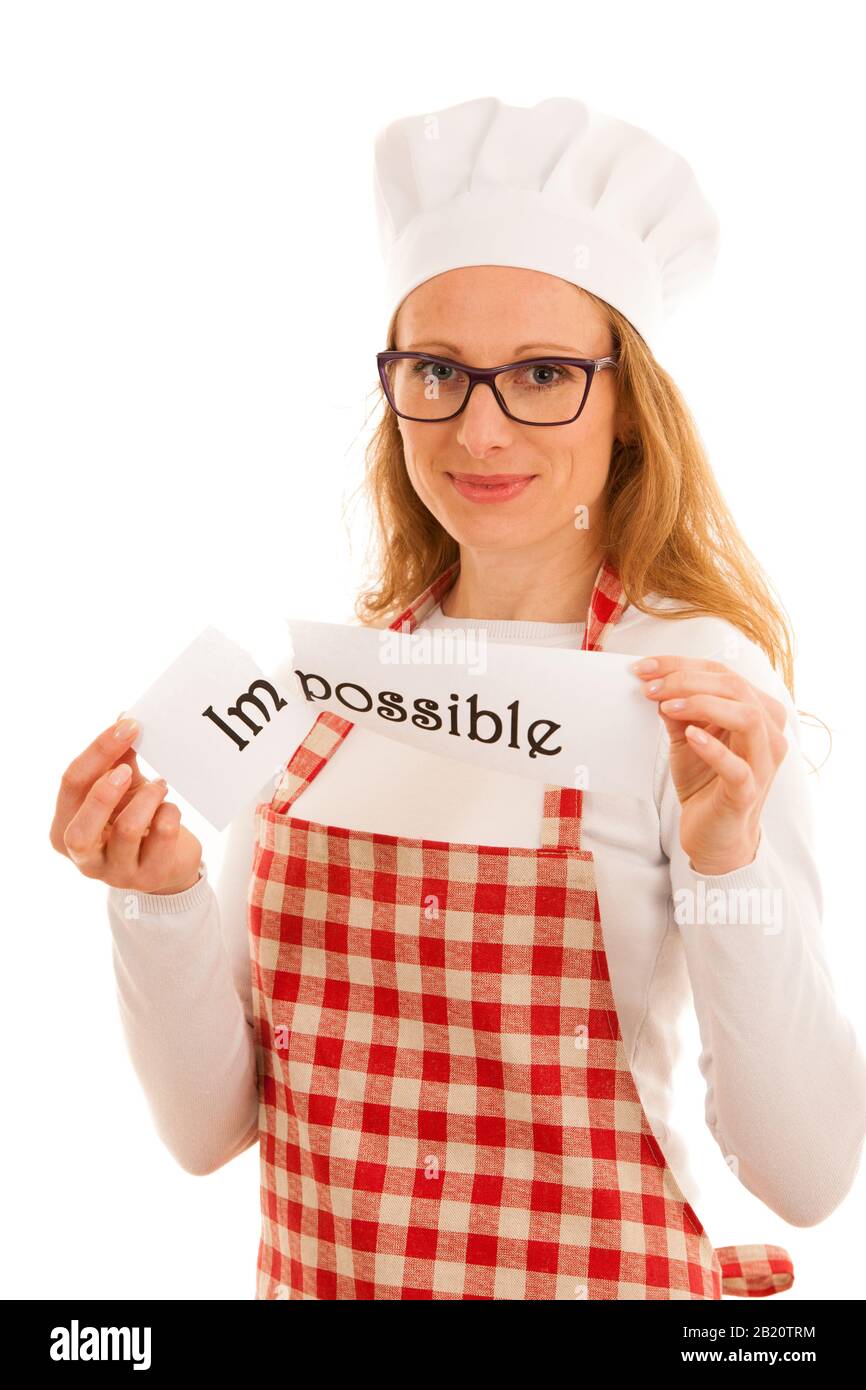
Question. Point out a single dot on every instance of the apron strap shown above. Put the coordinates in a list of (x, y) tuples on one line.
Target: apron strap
[(562, 810), (426, 601), (755, 1271), (606, 606), (309, 758)]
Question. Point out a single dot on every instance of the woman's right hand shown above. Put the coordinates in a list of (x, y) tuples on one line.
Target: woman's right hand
[(122, 831)]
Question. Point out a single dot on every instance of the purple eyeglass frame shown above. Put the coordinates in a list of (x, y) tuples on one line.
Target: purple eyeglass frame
[(591, 365)]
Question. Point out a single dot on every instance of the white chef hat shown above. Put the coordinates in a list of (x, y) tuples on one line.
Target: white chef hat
[(556, 187)]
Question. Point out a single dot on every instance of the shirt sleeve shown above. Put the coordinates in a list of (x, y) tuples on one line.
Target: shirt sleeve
[(181, 964), (785, 1075)]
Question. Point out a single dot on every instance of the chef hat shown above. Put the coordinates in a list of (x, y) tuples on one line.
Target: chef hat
[(556, 187)]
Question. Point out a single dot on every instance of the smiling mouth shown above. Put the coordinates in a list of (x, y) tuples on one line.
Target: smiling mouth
[(493, 487)]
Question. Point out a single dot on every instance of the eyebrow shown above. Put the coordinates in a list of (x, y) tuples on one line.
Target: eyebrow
[(524, 347)]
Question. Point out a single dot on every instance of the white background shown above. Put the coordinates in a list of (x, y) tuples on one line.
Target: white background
[(189, 312)]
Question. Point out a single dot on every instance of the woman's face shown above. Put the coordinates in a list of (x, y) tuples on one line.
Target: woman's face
[(485, 316)]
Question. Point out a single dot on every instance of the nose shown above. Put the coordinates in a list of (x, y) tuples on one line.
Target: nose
[(483, 426)]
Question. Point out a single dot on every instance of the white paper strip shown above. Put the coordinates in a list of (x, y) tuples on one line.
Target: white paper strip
[(571, 718), (216, 728)]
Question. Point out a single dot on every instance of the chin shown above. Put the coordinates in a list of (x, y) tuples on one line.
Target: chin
[(487, 532)]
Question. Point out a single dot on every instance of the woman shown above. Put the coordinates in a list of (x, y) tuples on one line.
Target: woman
[(445, 998)]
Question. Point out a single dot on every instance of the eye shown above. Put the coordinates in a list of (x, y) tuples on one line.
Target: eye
[(422, 368), (546, 373), (541, 376)]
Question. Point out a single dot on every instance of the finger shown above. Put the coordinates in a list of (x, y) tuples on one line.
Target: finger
[(663, 665), (84, 836), (124, 843), (734, 773), (138, 777), (676, 736), (676, 727), (700, 679), (159, 847), (676, 732), (747, 721), (105, 752)]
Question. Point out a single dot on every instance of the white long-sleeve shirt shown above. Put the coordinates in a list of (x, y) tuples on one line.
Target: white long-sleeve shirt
[(785, 1074)]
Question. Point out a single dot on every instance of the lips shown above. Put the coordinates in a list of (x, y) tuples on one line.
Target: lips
[(490, 487)]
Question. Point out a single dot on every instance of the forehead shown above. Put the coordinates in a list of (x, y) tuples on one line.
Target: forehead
[(495, 308)]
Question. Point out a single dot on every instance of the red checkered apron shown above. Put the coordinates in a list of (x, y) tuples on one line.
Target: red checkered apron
[(445, 1105)]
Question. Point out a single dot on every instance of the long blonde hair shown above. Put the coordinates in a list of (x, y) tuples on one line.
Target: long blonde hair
[(668, 530)]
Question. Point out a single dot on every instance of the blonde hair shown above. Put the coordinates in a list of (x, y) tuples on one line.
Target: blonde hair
[(668, 530)]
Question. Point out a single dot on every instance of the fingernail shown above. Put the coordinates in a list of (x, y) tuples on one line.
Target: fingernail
[(127, 728), (649, 663), (160, 782), (119, 774)]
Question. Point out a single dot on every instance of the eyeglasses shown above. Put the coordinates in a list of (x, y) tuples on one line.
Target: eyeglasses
[(422, 387)]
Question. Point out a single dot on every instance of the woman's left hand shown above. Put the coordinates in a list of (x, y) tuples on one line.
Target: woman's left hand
[(727, 738)]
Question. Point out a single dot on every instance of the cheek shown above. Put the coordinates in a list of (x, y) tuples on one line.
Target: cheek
[(420, 458), (578, 470), (427, 485), (419, 473)]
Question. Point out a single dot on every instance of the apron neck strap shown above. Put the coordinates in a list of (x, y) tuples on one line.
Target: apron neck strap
[(606, 604)]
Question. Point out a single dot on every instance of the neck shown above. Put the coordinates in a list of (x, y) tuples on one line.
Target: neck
[(516, 587)]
